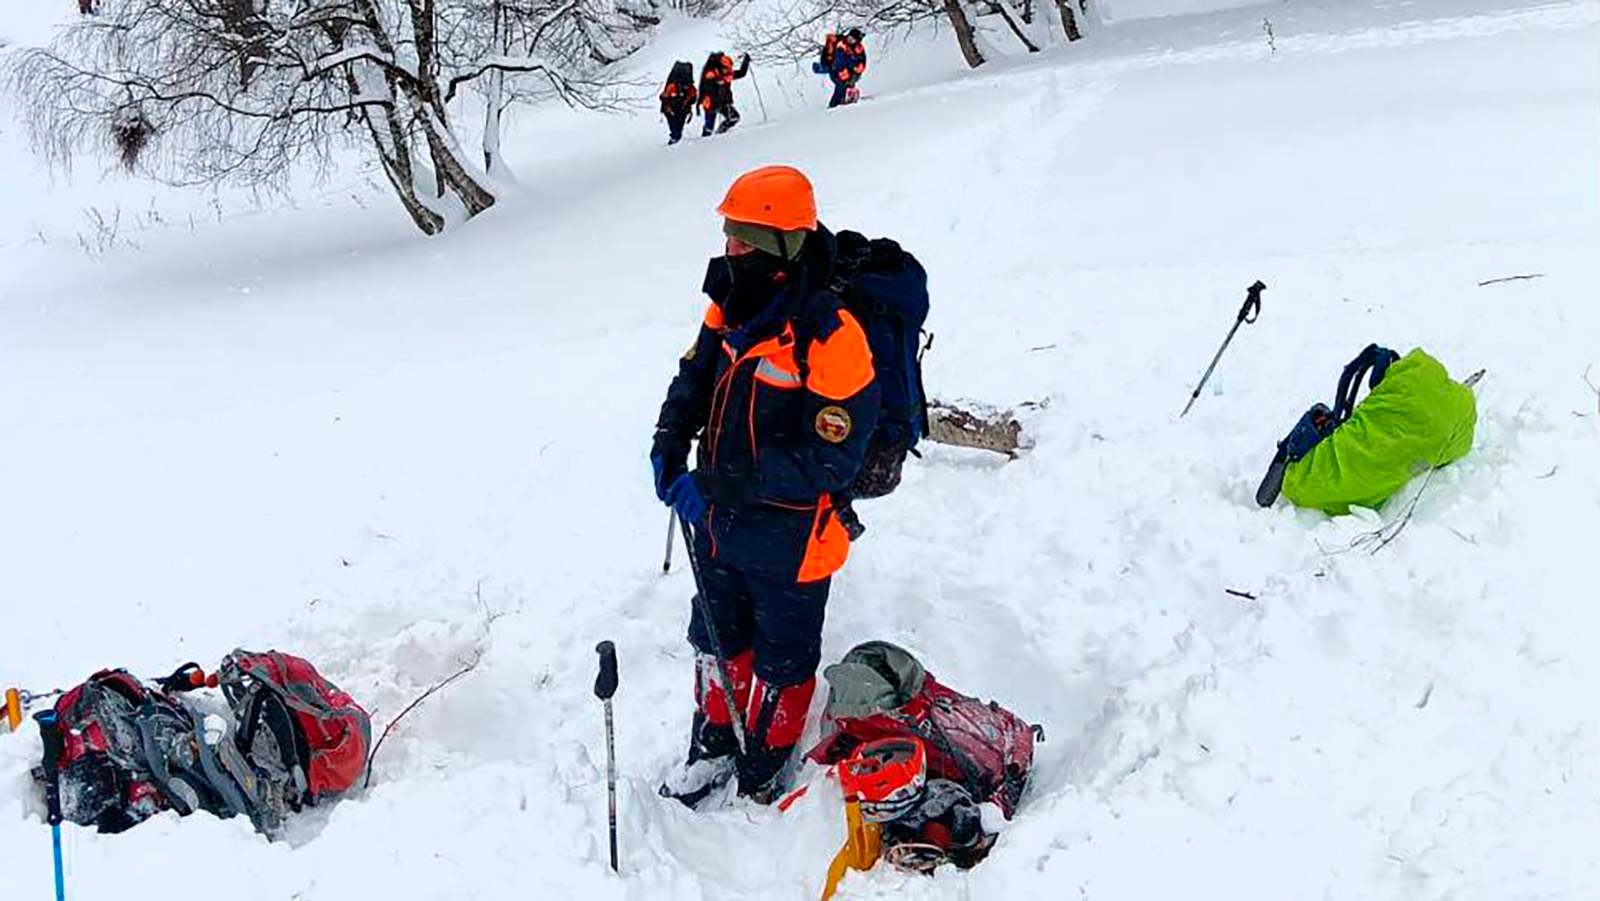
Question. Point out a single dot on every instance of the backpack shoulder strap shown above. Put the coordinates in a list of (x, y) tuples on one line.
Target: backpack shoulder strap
[(1374, 359), (818, 318)]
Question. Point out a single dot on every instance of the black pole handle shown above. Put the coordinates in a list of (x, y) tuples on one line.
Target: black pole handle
[(1251, 311), (50, 733), (605, 682)]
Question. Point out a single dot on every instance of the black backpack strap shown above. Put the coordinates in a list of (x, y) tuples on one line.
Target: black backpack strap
[(183, 679), (924, 424), (1373, 359)]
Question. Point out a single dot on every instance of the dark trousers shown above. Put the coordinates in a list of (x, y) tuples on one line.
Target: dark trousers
[(675, 121), (780, 620), (839, 89), (771, 630), (730, 117)]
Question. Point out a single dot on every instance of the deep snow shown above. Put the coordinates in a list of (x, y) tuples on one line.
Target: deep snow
[(307, 427)]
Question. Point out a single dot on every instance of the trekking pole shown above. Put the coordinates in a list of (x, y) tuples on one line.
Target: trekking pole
[(672, 529), (721, 672), (605, 685), (759, 101), (1247, 313), (50, 733)]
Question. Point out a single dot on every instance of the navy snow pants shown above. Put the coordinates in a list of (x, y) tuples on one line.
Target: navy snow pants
[(780, 620)]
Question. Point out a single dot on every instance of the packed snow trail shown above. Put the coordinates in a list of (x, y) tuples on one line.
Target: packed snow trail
[(311, 429)]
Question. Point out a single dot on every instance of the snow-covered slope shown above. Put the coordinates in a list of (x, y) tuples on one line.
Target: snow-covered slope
[(312, 429)]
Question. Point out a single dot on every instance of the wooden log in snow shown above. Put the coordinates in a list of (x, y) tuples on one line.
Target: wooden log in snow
[(975, 427)]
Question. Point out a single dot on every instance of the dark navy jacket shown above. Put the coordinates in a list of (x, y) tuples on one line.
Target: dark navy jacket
[(782, 407)]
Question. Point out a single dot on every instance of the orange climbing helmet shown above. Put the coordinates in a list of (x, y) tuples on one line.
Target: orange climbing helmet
[(778, 197), (887, 776)]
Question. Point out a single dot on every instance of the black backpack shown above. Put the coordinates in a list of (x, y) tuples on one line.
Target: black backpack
[(886, 290), (682, 74)]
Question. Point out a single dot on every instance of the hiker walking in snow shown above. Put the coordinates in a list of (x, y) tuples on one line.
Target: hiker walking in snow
[(780, 392), (716, 90), (678, 99), (844, 58)]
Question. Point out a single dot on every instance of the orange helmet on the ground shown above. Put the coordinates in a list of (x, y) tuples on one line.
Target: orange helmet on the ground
[(778, 197), (887, 776)]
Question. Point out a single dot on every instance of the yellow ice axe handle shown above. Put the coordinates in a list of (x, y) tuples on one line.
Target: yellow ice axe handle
[(13, 709), (862, 845)]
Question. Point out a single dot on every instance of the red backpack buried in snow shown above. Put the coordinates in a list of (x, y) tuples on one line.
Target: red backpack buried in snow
[(130, 751), (970, 752)]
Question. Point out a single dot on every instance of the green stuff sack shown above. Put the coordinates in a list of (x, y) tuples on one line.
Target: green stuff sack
[(1416, 418)]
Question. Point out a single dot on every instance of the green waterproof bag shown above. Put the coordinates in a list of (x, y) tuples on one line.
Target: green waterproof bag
[(1415, 419)]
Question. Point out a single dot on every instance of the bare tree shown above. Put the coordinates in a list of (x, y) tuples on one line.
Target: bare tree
[(219, 91), (792, 31)]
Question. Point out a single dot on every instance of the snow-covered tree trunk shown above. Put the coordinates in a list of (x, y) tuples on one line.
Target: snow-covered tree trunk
[(1069, 20), (494, 99), (493, 108), (1058, 22), (456, 177), (957, 14), (1019, 27), (388, 135)]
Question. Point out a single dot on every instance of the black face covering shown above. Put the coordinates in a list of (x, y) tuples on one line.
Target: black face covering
[(742, 285)]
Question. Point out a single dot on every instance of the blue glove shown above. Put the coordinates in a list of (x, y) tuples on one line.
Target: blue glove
[(684, 497), (660, 467), (665, 475)]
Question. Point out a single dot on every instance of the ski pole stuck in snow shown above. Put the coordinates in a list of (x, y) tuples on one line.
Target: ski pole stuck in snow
[(50, 734), (605, 685), (1247, 314), (756, 83), (724, 682), (672, 528)]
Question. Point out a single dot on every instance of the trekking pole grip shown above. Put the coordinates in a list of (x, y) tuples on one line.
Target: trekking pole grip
[(1251, 311), (605, 682), (50, 733)]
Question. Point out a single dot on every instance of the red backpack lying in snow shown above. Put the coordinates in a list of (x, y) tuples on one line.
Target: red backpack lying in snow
[(130, 751), (880, 691)]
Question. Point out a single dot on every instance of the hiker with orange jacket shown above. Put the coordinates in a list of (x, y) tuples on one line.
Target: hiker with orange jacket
[(846, 63), (780, 395), (678, 99), (716, 90)]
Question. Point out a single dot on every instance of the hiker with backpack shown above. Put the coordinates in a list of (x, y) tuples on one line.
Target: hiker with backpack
[(844, 60), (716, 91), (678, 98), (780, 393)]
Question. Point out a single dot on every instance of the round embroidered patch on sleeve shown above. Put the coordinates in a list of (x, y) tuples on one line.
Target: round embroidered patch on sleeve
[(833, 424)]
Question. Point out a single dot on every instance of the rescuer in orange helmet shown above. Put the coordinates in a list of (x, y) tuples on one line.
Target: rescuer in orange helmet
[(779, 393)]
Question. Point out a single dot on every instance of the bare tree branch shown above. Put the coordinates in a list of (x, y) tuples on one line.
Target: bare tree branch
[(436, 687), (247, 91)]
